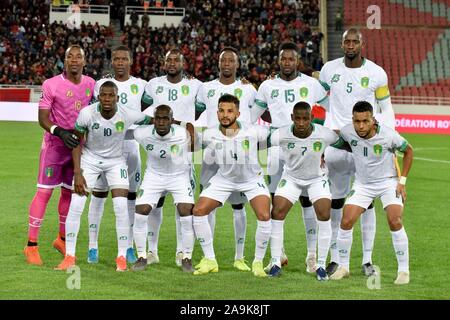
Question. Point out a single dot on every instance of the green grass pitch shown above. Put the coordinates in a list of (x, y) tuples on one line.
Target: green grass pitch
[(426, 219)]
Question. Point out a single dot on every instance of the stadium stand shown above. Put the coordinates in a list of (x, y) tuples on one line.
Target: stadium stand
[(412, 45)]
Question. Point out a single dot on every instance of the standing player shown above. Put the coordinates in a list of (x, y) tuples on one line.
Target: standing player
[(235, 147), (207, 102), (168, 170), (303, 145), (348, 80), (373, 147), (131, 90), (178, 92), (63, 97), (104, 124), (278, 96)]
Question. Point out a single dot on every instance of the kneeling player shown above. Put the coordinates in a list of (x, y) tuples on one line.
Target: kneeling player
[(303, 144), (373, 147)]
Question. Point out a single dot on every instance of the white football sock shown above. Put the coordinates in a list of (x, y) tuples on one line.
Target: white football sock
[(140, 234), (240, 227), (187, 236), (122, 224), (204, 236), (212, 221), (155, 218), (276, 241), (400, 242), (324, 239), (95, 214), (336, 217), (262, 237), (178, 230), (73, 222), (309, 219), (344, 246), (131, 212), (368, 229)]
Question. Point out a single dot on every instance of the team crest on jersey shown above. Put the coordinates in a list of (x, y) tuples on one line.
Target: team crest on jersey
[(149, 147), (238, 93), (120, 126), (160, 89), (303, 92), (134, 89), (282, 183), (48, 172), (77, 105), (95, 126), (364, 82), (354, 143), (291, 145), (274, 93), (88, 92), (317, 146), (185, 90), (246, 145), (377, 149), (211, 93), (69, 93), (175, 149), (335, 78)]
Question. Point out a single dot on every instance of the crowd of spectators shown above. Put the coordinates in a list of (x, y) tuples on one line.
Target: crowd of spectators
[(32, 50)]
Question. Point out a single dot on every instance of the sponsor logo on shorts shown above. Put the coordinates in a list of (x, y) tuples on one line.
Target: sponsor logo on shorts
[(282, 183)]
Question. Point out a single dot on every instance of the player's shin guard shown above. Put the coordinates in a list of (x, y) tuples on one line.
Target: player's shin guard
[(309, 219), (324, 239), (131, 211), (212, 221), (336, 216), (73, 222), (276, 241), (63, 209), (122, 224), (262, 237), (155, 218), (240, 227), (344, 246), (140, 234), (368, 229), (178, 230), (95, 214), (187, 235), (37, 211), (204, 236), (400, 242)]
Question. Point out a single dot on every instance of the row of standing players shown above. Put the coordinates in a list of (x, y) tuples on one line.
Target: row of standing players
[(348, 80)]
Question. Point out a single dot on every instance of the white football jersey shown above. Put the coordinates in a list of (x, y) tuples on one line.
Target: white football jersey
[(350, 85), (167, 155), (105, 137), (237, 156), (130, 92), (178, 96), (210, 92), (303, 156), (374, 157), (280, 96)]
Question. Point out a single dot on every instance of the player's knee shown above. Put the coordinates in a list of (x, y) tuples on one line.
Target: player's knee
[(395, 223), (305, 202), (238, 206), (143, 209), (278, 213), (131, 196), (347, 223), (161, 202), (199, 210), (100, 194), (323, 215), (337, 203), (185, 209)]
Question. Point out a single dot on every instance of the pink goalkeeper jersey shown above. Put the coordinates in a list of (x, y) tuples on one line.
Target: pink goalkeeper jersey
[(65, 99)]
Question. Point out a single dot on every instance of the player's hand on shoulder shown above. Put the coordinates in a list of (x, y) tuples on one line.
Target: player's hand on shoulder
[(70, 140)]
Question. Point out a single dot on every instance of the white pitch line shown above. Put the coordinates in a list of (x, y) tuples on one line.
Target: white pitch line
[(427, 159)]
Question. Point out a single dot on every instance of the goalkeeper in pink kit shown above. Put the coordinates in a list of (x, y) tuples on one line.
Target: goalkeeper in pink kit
[(63, 96)]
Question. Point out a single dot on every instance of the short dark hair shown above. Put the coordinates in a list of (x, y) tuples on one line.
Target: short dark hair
[(229, 98), (174, 51), (302, 105), (362, 106), (164, 107), (122, 48), (109, 84), (74, 46), (288, 46), (229, 48)]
